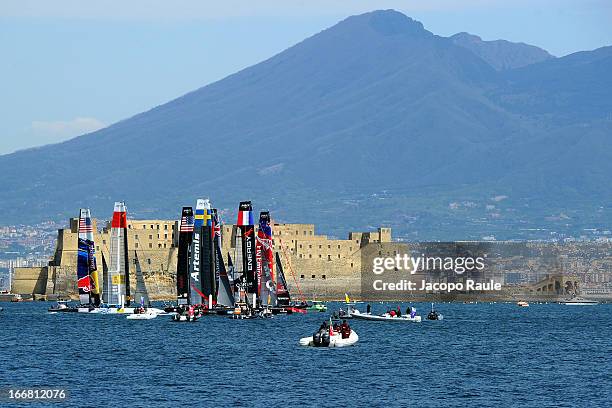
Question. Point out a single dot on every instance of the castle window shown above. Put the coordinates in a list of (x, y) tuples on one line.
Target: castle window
[(300, 245), (322, 276), (301, 276), (144, 226), (151, 226), (320, 246), (150, 236), (97, 248), (309, 246), (159, 245), (130, 226), (165, 236), (137, 245), (338, 246), (314, 276), (149, 261), (157, 226), (310, 255), (304, 232), (351, 264), (166, 227), (104, 242), (351, 249), (329, 257), (338, 256), (329, 247), (164, 245), (150, 245), (310, 232), (319, 255), (136, 236)]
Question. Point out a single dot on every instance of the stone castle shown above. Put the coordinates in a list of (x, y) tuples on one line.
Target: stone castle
[(314, 265)]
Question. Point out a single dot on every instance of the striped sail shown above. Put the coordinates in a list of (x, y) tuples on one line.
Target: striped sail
[(118, 278), (246, 230), (87, 275)]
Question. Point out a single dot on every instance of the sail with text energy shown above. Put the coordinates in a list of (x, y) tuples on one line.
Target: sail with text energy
[(246, 236), (266, 287), (118, 276), (87, 271), (185, 238)]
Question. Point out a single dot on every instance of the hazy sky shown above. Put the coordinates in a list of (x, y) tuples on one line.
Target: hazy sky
[(70, 66)]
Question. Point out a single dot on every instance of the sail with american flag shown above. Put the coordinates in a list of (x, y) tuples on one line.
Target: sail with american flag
[(185, 239)]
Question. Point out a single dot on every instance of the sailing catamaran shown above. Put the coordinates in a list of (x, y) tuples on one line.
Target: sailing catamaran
[(116, 293), (87, 270), (185, 310)]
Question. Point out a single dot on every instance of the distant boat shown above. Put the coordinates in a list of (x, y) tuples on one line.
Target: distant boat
[(579, 301), (522, 303), (387, 317)]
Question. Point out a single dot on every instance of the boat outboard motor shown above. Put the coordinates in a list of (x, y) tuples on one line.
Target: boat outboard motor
[(316, 339), (325, 339)]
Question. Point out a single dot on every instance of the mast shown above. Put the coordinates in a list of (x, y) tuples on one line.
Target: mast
[(118, 279), (87, 274), (266, 288), (246, 231), (182, 265)]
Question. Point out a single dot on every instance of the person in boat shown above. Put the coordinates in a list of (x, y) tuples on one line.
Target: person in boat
[(399, 311), (369, 308), (345, 329), (408, 309)]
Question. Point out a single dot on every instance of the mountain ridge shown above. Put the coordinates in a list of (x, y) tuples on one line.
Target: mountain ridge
[(374, 103)]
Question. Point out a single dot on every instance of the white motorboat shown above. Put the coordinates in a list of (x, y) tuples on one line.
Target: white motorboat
[(578, 301), (356, 314), (335, 340), (522, 303), (148, 315)]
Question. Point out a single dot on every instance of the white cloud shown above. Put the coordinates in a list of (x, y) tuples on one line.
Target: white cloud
[(65, 128)]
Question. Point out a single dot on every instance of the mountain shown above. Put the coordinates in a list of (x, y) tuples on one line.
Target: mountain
[(374, 120), (501, 54)]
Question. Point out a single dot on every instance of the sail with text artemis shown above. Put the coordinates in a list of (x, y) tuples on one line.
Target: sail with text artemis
[(264, 256), (245, 245), (185, 238), (117, 286), (87, 271)]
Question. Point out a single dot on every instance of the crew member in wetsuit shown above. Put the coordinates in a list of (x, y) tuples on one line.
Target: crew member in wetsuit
[(345, 330), (369, 308), (399, 311)]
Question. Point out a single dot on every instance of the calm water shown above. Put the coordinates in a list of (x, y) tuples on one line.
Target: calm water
[(479, 355)]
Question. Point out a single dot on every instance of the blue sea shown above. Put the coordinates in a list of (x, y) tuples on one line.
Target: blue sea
[(480, 355)]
